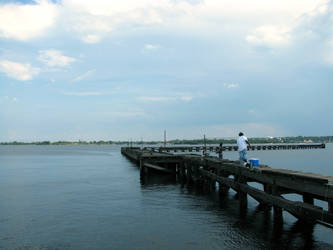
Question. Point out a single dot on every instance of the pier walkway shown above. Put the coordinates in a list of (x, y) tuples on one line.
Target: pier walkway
[(213, 173), (292, 146)]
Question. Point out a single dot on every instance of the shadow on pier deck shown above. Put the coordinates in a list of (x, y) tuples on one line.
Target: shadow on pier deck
[(211, 173)]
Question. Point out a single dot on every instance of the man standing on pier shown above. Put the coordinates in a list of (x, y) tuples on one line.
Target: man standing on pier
[(242, 144)]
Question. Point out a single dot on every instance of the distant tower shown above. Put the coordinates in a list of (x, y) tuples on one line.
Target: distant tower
[(164, 138)]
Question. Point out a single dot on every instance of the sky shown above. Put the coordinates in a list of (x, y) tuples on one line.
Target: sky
[(130, 69)]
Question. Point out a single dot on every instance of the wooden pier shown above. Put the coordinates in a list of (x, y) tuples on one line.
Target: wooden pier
[(207, 172), (210, 148)]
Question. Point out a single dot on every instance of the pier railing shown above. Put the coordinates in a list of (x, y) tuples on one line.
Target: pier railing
[(292, 146)]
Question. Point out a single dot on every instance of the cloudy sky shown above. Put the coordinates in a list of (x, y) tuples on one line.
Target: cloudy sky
[(119, 70)]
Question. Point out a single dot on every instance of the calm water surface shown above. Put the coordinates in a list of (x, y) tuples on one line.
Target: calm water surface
[(91, 197)]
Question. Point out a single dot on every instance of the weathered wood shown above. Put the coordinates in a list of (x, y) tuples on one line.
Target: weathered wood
[(142, 170), (301, 210), (196, 169), (241, 194), (330, 205), (308, 199), (234, 147), (276, 191), (166, 170)]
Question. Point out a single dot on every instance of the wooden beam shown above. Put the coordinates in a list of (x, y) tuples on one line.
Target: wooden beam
[(301, 210), (148, 165)]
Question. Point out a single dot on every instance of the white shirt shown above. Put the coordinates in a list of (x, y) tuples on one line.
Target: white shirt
[(241, 143)]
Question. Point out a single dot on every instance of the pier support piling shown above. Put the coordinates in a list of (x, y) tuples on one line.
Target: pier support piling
[(330, 205), (142, 168), (242, 196), (278, 215)]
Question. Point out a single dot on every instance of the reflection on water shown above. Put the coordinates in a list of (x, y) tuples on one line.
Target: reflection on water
[(157, 179)]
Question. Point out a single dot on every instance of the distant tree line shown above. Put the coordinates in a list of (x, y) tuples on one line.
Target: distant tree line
[(291, 139)]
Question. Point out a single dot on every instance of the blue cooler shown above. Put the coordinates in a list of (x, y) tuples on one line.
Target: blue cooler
[(254, 162)]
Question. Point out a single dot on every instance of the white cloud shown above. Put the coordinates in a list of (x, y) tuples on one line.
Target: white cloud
[(151, 47), (269, 36), (91, 38), (6, 98), (83, 93), (186, 98), (314, 22), (24, 22), (84, 76), (89, 28), (152, 11), (315, 32), (55, 58), (231, 85), (328, 55), (132, 9), (321, 8), (18, 71), (93, 20)]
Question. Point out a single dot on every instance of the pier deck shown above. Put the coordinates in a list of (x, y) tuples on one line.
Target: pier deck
[(292, 146), (195, 169)]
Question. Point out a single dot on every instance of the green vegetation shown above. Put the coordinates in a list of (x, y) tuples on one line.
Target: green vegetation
[(295, 139)]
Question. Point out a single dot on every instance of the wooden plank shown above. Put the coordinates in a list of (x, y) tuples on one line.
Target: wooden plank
[(301, 210), (300, 182), (234, 147), (318, 178), (148, 165)]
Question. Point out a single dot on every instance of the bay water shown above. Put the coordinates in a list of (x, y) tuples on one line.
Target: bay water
[(92, 197)]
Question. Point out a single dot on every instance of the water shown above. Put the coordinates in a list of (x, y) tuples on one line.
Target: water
[(91, 197)]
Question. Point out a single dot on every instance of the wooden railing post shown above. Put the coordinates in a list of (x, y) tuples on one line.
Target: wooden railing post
[(330, 205), (142, 168), (212, 185), (307, 198), (242, 195), (267, 189), (189, 174), (277, 210)]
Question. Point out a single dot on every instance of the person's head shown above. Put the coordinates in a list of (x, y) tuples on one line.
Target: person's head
[(240, 134)]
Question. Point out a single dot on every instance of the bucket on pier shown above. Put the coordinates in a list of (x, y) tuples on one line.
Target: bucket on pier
[(254, 162)]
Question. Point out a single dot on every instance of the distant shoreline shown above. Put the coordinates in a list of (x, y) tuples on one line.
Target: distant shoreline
[(295, 139)]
